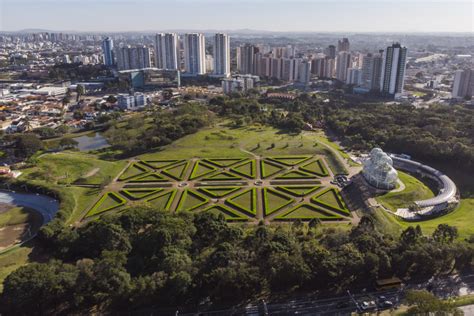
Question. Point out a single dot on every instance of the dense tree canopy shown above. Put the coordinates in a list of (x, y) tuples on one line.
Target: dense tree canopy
[(146, 257)]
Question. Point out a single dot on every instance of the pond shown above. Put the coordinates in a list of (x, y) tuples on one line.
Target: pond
[(91, 142), (19, 231)]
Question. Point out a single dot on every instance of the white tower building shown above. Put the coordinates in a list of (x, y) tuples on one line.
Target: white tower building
[(194, 54), (221, 55), (166, 51)]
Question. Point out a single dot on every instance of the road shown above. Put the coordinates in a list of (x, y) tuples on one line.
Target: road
[(343, 305)]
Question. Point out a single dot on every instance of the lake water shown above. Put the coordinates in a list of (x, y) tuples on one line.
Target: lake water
[(91, 142)]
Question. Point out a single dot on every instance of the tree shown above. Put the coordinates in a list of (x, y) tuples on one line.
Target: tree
[(39, 287), (80, 90), (445, 233), (67, 143), (27, 145), (425, 303)]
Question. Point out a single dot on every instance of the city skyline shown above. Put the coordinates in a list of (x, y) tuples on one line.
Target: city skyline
[(304, 15)]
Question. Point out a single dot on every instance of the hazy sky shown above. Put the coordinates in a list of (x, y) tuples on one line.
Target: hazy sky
[(273, 15)]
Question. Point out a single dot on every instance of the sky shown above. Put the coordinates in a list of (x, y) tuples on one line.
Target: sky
[(269, 15)]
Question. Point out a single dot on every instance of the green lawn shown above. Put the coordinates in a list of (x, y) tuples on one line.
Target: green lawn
[(221, 141), (414, 190), (274, 201), (462, 218), (12, 260), (16, 215), (67, 167)]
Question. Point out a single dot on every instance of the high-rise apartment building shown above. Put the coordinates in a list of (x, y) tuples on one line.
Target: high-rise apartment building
[(353, 76), (221, 55), (343, 45), (371, 71), (133, 57), (463, 86), (304, 72), (330, 51), (290, 67), (246, 62), (393, 70), (343, 62), (166, 51), (194, 54), (108, 51)]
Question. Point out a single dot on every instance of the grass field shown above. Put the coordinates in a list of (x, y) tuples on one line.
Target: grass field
[(460, 217), (414, 190), (68, 167), (12, 260), (15, 215)]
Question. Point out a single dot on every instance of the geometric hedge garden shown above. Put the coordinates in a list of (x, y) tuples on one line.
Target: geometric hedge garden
[(282, 188)]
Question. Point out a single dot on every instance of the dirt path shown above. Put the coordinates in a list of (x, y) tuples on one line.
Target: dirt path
[(92, 172)]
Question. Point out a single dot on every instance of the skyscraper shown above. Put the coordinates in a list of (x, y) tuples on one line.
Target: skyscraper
[(393, 70), (343, 45), (166, 51), (353, 76), (247, 59), (343, 62), (463, 86), (133, 57), (330, 51), (221, 55), (371, 71), (194, 54), (304, 72), (107, 49)]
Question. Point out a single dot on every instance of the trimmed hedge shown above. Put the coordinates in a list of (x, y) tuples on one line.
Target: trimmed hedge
[(135, 165), (264, 171), (170, 200), (318, 213), (266, 205), (131, 194), (253, 201), (185, 195), (195, 174), (156, 178), (290, 160), (341, 208), (229, 214), (227, 191), (322, 172), (223, 176), (221, 162), (160, 163), (253, 169), (295, 174), (112, 195), (180, 175), (290, 189)]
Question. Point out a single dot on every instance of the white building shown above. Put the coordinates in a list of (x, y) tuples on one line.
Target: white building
[(371, 71), (343, 62), (131, 102), (239, 83), (221, 55), (393, 70), (166, 51), (463, 84), (194, 54), (290, 67), (133, 57), (353, 76), (304, 72)]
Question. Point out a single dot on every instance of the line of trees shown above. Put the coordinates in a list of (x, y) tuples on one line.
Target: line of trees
[(146, 258)]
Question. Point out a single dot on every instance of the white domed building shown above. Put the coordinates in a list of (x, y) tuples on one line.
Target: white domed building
[(378, 170)]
